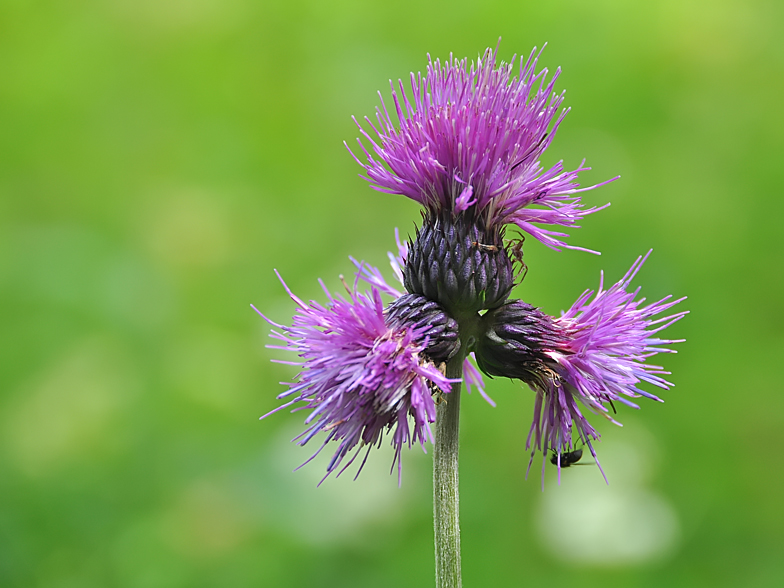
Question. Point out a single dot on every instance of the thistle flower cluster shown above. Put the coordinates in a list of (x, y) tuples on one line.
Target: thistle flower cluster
[(466, 143)]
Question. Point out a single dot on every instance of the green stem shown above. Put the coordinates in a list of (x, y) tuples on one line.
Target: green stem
[(446, 497)]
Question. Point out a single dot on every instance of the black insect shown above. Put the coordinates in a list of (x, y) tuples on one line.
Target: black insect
[(568, 458)]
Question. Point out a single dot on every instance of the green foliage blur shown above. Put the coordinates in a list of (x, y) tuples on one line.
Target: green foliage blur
[(158, 158)]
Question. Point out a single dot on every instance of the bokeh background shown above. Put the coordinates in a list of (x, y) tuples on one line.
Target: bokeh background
[(158, 158)]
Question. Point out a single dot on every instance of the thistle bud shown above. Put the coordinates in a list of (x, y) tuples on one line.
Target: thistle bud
[(514, 341), (459, 265), (429, 319)]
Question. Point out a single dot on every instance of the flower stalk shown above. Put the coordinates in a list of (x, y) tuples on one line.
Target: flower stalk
[(446, 482)]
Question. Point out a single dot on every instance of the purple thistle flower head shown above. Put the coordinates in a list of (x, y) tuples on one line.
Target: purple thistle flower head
[(595, 354), (360, 376), (367, 370), (469, 139)]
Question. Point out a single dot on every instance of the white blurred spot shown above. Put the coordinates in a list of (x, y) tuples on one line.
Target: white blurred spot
[(586, 522), (341, 507)]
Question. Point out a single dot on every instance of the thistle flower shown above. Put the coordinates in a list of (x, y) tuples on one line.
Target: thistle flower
[(367, 370), (593, 355), (469, 140), (467, 145), (360, 376)]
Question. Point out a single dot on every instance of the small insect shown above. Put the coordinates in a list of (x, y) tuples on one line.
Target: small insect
[(568, 458), (514, 249), (483, 247)]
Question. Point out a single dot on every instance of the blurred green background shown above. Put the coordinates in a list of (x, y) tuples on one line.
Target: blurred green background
[(158, 158)]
